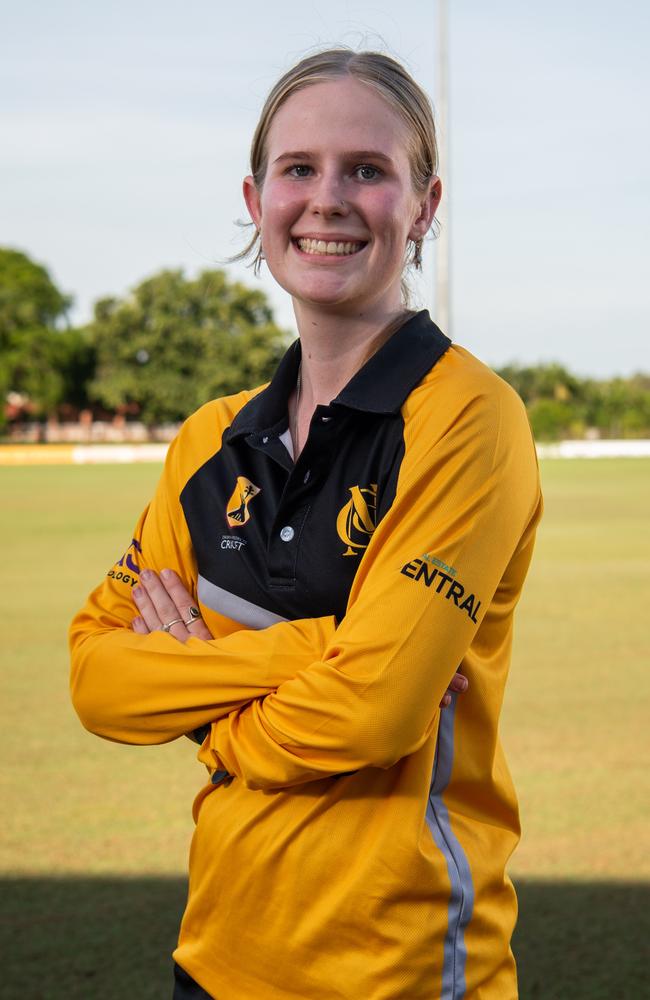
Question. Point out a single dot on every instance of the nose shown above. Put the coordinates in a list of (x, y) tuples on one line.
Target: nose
[(327, 196)]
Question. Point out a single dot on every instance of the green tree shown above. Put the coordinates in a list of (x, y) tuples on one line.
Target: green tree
[(620, 407), (29, 299), (175, 343), (40, 356), (550, 381), (560, 404), (550, 419)]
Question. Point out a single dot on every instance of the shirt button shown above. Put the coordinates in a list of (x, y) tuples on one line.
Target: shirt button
[(287, 533)]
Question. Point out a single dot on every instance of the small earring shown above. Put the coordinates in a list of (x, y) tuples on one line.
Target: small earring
[(417, 254), (259, 256)]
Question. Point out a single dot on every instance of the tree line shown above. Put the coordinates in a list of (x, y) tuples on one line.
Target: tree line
[(158, 353)]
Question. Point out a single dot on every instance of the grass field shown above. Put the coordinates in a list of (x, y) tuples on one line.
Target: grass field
[(95, 836)]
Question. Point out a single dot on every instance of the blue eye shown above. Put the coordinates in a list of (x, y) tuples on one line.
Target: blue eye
[(367, 172), (298, 168)]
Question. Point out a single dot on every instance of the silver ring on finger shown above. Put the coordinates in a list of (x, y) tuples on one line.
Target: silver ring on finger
[(168, 625), (194, 615)]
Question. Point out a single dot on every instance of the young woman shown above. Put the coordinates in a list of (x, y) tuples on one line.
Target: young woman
[(320, 558)]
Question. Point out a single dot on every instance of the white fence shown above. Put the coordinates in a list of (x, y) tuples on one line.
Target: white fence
[(95, 454), (595, 449)]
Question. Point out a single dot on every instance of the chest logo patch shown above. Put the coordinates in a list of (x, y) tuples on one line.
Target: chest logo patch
[(237, 512), (357, 519)]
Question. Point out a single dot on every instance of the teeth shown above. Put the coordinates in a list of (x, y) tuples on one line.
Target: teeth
[(321, 247)]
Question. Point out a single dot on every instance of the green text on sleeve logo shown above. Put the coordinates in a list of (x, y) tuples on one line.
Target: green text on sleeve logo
[(433, 572)]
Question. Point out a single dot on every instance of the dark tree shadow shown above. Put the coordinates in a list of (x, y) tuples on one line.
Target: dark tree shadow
[(111, 939), (89, 939), (583, 940)]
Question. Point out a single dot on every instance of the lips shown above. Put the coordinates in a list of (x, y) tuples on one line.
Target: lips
[(329, 248)]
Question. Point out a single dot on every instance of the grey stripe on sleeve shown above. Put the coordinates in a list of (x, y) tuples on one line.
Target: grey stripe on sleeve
[(234, 607)]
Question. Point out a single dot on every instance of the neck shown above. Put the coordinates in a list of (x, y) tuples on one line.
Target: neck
[(335, 347)]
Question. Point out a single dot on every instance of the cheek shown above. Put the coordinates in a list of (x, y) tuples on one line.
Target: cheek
[(280, 205), (391, 215)]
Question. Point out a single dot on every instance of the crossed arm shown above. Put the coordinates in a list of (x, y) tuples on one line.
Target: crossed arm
[(163, 598), (307, 699)]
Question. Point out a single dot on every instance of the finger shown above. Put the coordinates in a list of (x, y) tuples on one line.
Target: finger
[(146, 608), (198, 628), (184, 602), (458, 682), (446, 700), (157, 608), (140, 626), (157, 593)]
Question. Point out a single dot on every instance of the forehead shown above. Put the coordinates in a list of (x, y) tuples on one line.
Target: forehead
[(334, 114)]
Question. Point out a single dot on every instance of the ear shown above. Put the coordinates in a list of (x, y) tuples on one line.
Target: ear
[(253, 201), (428, 208)]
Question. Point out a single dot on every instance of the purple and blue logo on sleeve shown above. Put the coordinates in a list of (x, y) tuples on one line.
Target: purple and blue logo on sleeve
[(126, 569)]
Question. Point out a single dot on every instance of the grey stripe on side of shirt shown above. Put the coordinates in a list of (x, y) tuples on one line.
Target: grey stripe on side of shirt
[(461, 898)]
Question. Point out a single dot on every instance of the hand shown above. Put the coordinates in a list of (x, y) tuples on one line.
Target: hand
[(458, 683), (163, 599)]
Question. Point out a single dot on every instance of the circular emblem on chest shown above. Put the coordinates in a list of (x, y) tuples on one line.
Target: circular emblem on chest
[(357, 519)]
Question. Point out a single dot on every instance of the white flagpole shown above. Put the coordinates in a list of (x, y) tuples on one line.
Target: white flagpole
[(443, 317)]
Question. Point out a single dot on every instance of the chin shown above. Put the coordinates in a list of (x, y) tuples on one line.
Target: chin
[(318, 293), (328, 302)]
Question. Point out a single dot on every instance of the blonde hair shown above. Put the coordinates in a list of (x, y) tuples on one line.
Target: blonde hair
[(391, 81)]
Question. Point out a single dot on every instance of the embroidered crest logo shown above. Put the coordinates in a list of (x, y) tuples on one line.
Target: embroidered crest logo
[(237, 512), (356, 520)]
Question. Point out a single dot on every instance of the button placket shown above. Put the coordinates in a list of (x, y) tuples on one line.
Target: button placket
[(284, 546), (307, 472)]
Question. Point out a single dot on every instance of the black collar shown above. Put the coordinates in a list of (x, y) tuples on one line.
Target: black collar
[(381, 386)]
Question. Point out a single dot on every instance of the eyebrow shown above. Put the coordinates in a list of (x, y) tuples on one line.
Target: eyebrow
[(356, 154)]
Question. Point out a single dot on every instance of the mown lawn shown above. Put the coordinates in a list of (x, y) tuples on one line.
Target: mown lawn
[(95, 836)]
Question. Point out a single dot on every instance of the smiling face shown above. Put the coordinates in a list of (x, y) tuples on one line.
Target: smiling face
[(337, 206)]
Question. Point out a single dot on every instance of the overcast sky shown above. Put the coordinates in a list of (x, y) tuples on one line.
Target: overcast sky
[(125, 130)]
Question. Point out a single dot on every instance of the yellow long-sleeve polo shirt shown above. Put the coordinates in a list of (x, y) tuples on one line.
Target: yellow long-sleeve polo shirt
[(354, 838)]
